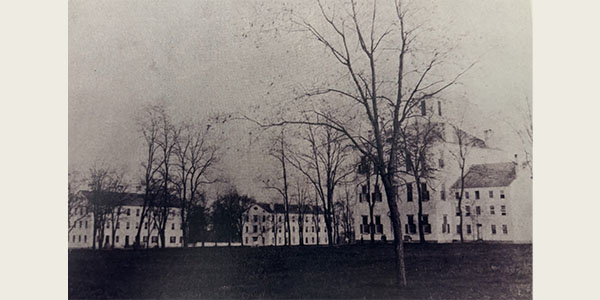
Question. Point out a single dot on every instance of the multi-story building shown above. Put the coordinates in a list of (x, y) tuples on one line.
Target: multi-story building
[(438, 206), (264, 225), (496, 203), (126, 217)]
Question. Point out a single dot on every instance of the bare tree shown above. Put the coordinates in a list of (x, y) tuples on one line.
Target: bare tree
[(149, 128), (115, 205), (460, 155), (344, 210), (77, 206), (324, 165), (417, 141), (301, 196), (384, 104), (279, 152), (194, 158)]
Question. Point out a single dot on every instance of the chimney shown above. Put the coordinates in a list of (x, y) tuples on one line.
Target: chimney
[(487, 135)]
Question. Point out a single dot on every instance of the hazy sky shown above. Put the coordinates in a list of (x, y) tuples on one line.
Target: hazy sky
[(200, 57)]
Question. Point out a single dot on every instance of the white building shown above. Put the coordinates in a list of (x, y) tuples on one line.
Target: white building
[(264, 225), (439, 206), (126, 227)]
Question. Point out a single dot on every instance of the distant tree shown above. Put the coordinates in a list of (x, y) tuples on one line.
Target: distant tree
[(77, 206), (460, 155), (115, 204), (279, 151), (195, 156), (198, 220), (149, 125), (344, 209), (227, 216), (301, 199), (417, 140)]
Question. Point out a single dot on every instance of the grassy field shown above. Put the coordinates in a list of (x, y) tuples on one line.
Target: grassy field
[(435, 271)]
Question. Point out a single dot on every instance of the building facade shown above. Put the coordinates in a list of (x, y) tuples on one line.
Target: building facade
[(126, 219), (264, 225)]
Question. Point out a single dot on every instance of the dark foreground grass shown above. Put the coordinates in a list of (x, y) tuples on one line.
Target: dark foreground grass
[(435, 271)]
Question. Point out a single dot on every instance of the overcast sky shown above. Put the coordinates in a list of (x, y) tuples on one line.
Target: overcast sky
[(200, 57)]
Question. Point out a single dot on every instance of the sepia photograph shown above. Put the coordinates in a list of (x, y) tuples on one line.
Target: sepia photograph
[(306, 149)]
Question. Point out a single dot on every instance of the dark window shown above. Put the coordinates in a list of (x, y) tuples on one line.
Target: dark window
[(264, 229), (280, 220), (79, 240), (118, 225), (476, 194), (458, 229), (86, 224), (440, 108), (492, 211), (468, 229), (424, 191), (493, 229), (504, 229), (491, 194), (426, 225), (478, 210), (467, 210), (457, 211), (145, 239), (364, 226), (145, 225), (117, 239), (441, 163), (409, 192), (127, 225), (246, 228), (255, 218), (467, 195), (443, 195), (129, 212), (264, 218), (501, 194), (254, 228), (423, 109), (457, 195), (172, 226), (85, 237), (306, 240), (173, 240), (411, 227), (503, 210), (137, 212), (378, 225)]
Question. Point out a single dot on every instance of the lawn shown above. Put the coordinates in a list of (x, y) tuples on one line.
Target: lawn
[(435, 271)]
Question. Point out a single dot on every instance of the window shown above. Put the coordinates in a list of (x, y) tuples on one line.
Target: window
[(313, 229), (491, 194), (155, 239), (280, 220), (293, 228), (425, 223), (504, 229), (254, 228), (279, 240), (255, 218), (137, 224), (441, 163), (264, 218), (478, 210), (254, 238), (85, 237), (129, 212), (378, 225), (79, 239), (80, 222), (172, 226), (457, 211), (467, 195), (173, 240), (127, 225), (306, 229), (501, 194), (440, 108), (118, 225), (145, 225), (458, 229), (503, 210), (306, 240), (293, 218), (445, 225), (469, 229), (86, 224), (443, 192), (107, 225), (423, 108), (493, 229), (73, 239), (364, 226), (117, 239), (409, 192), (145, 239), (467, 210), (246, 228), (137, 212), (492, 211), (424, 191), (411, 227), (457, 195), (246, 240), (313, 239), (263, 229), (477, 195)]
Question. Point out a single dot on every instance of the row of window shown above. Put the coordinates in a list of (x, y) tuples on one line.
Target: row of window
[(172, 239), (477, 195), (83, 224), (492, 227), (478, 210), (280, 240), (257, 218), (367, 228), (84, 211), (255, 229)]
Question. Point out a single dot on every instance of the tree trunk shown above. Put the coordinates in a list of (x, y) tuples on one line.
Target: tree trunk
[(397, 230)]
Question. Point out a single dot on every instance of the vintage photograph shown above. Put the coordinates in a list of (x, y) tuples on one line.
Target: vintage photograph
[(306, 149)]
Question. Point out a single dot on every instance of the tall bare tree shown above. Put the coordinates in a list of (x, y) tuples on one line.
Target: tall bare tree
[(301, 196), (383, 103), (77, 206), (115, 205), (149, 127), (416, 151), (463, 142), (194, 158), (324, 165)]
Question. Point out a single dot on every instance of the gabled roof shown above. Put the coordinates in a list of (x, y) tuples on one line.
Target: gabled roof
[(489, 175), (125, 199)]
